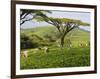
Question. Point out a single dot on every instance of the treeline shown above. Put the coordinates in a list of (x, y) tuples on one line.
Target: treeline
[(35, 41)]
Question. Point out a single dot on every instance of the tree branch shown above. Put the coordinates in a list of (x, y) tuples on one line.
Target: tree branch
[(26, 20)]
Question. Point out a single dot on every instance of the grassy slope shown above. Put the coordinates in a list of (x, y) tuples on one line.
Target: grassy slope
[(57, 57), (40, 31)]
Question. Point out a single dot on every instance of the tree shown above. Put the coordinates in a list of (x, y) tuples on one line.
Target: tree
[(28, 41), (64, 26), (27, 15)]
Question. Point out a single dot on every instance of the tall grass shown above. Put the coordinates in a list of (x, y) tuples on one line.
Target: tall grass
[(55, 58)]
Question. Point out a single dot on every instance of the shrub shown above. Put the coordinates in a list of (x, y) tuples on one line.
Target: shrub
[(28, 42)]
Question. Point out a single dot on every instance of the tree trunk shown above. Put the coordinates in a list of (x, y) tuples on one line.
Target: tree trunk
[(62, 41)]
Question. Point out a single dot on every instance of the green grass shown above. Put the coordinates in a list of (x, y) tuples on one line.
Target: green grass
[(57, 57), (40, 31)]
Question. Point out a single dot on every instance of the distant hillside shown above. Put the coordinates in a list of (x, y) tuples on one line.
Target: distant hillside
[(75, 34)]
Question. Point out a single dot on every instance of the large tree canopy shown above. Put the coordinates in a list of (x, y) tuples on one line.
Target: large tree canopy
[(63, 25), (27, 15)]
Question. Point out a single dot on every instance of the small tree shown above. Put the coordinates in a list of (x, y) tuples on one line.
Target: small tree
[(63, 25)]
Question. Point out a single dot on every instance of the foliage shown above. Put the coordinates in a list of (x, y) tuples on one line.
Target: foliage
[(28, 42), (63, 25), (28, 14), (32, 41)]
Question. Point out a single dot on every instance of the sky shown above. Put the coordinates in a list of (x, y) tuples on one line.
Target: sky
[(83, 16)]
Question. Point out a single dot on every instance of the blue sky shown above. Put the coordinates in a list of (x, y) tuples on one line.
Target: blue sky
[(83, 16)]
